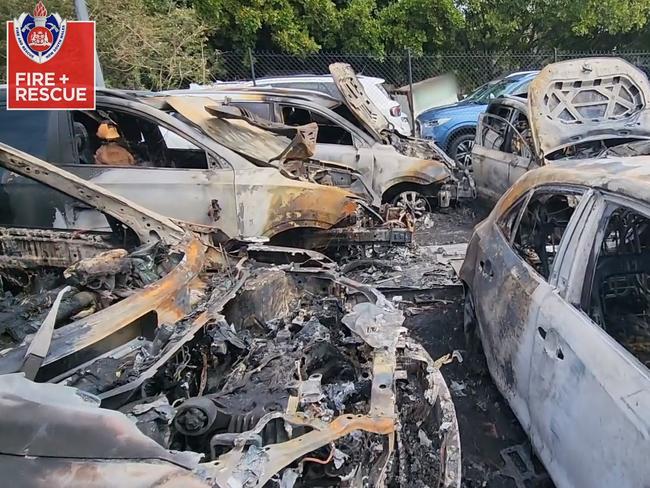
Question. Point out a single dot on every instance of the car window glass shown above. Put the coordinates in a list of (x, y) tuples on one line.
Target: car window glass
[(543, 222), (41, 133), (328, 131), (619, 298), (136, 141)]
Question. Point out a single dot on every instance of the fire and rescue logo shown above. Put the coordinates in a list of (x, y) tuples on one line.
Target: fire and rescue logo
[(40, 36)]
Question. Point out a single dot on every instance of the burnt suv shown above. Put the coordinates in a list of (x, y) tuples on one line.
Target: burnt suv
[(199, 181)]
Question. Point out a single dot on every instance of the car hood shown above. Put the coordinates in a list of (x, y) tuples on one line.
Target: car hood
[(357, 101), (585, 100), (455, 110)]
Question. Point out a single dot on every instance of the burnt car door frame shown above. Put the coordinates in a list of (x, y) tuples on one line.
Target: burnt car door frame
[(585, 387), (493, 168), (218, 158)]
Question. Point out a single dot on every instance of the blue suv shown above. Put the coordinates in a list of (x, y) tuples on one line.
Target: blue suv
[(453, 127)]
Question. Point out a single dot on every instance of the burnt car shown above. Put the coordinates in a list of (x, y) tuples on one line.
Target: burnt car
[(557, 291), (198, 181), (578, 109), (409, 172), (154, 354)]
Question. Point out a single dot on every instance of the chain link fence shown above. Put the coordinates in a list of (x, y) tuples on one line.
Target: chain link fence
[(472, 69)]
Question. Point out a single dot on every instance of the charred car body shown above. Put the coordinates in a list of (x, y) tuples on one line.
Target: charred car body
[(405, 171), (576, 109), (272, 373), (199, 181)]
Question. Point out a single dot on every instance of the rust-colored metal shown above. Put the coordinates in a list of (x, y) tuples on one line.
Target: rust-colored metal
[(304, 207), (168, 297)]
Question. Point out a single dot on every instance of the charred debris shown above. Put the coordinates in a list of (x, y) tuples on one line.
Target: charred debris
[(152, 355)]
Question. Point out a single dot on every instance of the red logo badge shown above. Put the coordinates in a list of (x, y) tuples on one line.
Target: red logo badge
[(50, 62)]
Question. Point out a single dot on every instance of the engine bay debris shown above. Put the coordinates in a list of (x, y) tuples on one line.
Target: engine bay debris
[(165, 360)]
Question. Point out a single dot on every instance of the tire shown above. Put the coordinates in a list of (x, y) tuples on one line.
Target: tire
[(460, 149)]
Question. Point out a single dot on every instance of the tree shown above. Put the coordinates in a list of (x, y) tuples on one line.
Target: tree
[(516, 25), (141, 43)]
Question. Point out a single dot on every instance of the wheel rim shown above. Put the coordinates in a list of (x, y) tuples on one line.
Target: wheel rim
[(413, 202), (464, 153)]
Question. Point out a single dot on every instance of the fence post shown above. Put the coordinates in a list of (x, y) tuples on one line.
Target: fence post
[(555, 55), (82, 14), (252, 61), (411, 110)]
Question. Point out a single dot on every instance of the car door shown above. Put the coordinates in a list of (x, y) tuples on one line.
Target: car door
[(175, 175), (45, 134), (590, 395), (514, 263), (490, 160), (520, 145)]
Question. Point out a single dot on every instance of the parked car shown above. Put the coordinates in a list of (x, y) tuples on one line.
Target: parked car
[(202, 182), (453, 127), (404, 171), (567, 122), (391, 179), (150, 356), (569, 246), (374, 88)]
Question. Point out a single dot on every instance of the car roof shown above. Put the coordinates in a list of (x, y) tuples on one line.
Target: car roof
[(627, 176), (308, 77), (288, 94), (522, 75)]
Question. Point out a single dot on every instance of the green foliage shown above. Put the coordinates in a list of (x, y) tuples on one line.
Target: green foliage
[(153, 44), (518, 25), (420, 25), (158, 44)]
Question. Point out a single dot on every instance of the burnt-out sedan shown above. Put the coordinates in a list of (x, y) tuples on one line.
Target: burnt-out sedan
[(558, 291), (155, 354)]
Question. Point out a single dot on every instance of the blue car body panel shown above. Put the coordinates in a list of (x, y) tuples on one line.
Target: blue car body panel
[(463, 116)]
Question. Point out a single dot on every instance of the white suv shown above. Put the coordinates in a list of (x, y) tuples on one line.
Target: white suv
[(374, 88)]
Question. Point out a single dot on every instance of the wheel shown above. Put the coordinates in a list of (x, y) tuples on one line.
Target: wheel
[(412, 201), (460, 150)]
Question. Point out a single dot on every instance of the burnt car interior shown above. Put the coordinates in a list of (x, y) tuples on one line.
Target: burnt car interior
[(619, 297), (38, 261), (144, 139), (328, 131), (537, 229)]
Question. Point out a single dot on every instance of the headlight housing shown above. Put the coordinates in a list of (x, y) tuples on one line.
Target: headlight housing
[(435, 122)]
